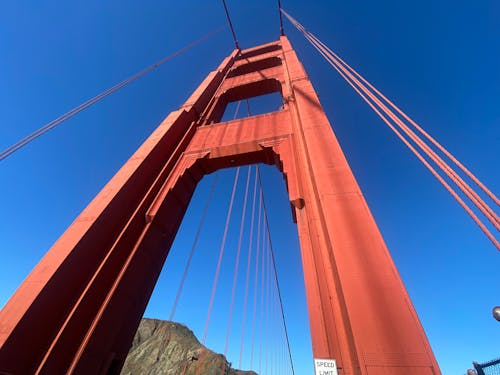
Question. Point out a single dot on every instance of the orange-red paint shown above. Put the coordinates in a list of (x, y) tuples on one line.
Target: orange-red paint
[(79, 308)]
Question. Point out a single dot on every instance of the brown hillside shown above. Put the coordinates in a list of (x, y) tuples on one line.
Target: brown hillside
[(169, 348)]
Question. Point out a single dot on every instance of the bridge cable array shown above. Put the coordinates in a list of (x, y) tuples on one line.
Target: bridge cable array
[(236, 264), (273, 261), (248, 269), (380, 105), (268, 349), (223, 244), (51, 125), (193, 246), (268, 345)]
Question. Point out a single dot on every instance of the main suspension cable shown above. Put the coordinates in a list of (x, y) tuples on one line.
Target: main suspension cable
[(51, 125), (230, 25), (256, 282), (282, 30)]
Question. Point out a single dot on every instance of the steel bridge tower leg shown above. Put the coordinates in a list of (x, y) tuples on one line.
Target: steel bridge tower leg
[(78, 310)]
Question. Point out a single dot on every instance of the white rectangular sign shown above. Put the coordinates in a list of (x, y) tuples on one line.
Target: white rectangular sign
[(325, 367)]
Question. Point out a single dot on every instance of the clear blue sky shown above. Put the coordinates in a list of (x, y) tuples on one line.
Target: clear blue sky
[(437, 59)]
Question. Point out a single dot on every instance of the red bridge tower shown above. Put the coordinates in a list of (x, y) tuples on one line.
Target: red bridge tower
[(78, 310)]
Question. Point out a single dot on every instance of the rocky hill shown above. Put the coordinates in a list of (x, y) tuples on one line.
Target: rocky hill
[(169, 348)]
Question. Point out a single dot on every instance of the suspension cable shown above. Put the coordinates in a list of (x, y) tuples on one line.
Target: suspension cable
[(247, 277), (221, 253), (427, 165), (256, 282), (414, 124), (263, 290), (358, 87), (282, 30), (268, 304), (230, 25), (422, 159), (463, 186), (237, 263), (193, 246), (273, 261), (248, 108), (51, 125)]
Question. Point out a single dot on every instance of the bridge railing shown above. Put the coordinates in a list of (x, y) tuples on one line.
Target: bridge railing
[(488, 368)]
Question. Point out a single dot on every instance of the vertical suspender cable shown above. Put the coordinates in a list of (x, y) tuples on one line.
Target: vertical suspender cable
[(277, 331), (269, 314), (221, 253), (275, 272), (256, 283), (267, 298), (193, 247), (248, 108), (272, 327), (247, 277), (237, 263), (262, 293)]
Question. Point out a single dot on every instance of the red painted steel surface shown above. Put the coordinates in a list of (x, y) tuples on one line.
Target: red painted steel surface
[(79, 308)]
